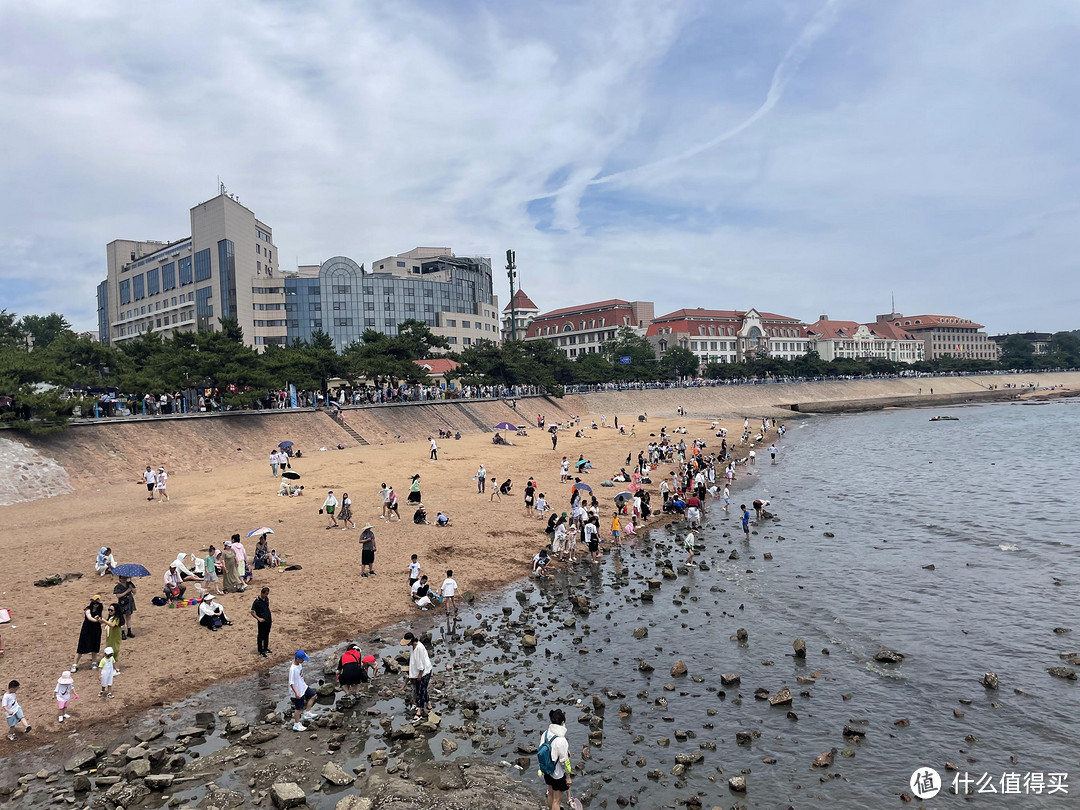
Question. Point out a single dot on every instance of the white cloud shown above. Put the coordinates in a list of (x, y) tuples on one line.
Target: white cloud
[(920, 149)]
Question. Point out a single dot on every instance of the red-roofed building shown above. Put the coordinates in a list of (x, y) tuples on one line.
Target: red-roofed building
[(729, 335), (524, 313), (437, 367), (864, 341), (944, 335), (583, 329)]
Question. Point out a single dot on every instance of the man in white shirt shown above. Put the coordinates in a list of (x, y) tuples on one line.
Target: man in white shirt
[(150, 478), (301, 695), (384, 495), (434, 449), (449, 588), (419, 673)]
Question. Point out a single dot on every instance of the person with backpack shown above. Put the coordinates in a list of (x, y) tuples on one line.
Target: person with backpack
[(553, 755)]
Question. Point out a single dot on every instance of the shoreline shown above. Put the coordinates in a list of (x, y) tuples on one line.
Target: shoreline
[(316, 608)]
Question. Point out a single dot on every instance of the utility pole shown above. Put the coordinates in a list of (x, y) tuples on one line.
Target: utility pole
[(511, 273)]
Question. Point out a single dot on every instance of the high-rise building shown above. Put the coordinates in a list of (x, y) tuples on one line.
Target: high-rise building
[(451, 294), (227, 267), (728, 335), (584, 328)]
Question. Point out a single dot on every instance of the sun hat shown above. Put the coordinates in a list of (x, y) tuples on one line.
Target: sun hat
[(208, 597), (409, 639), (301, 655), (65, 677), (108, 650), (368, 526), (96, 597)]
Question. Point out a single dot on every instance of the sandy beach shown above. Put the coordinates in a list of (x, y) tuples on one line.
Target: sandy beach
[(489, 544)]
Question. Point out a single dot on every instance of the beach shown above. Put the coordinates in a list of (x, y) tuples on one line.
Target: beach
[(488, 545)]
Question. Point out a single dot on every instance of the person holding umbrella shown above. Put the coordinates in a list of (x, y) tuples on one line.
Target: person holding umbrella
[(124, 592)]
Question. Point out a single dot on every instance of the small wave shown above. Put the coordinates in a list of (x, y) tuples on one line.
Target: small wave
[(1009, 547)]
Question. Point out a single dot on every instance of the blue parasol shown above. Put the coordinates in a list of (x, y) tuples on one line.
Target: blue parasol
[(584, 487), (260, 530), (285, 444), (505, 426), (130, 570)]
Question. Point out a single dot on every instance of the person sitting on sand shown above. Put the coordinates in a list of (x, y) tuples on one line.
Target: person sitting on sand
[(174, 583), (442, 520), (105, 562), (212, 615), (284, 488), (419, 516), (186, 573)]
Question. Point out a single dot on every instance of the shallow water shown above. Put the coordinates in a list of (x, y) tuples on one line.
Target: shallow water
[(986, 500)]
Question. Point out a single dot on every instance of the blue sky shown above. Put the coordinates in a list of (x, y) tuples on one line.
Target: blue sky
[(801, 157)]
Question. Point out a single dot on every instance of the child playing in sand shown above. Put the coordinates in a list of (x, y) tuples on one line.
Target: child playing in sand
[(629, 528)]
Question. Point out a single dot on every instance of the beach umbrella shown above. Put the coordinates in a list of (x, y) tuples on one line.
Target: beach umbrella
[(131, 570), (505, 426), (290, 474), (624, 496), (634, 487), (584, 487), (284, 445), (260, 530)]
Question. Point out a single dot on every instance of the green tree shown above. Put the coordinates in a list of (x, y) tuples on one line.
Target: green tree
[(629, 344), (679, 363), (1017, 352), (44, 329)]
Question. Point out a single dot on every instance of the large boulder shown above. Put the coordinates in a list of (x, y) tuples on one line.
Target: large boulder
[(287, 794), (336, 775), (82, 758)]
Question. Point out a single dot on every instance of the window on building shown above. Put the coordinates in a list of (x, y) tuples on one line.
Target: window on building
[(338, 305), (401, 264), (388, 322), (452, 341), (342, 289), (466, 341), (202, 265), (315, 306), (342, 321), (466, 324), (316, 323), (168, 276), (427, 294), (451, 322), (429, 307), (369, 305), (369, 290), (183, 270), (388, 305), (125, 291), (410, 307), (369, 322)]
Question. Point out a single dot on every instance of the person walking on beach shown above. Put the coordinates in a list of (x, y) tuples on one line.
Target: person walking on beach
[(65, 693), (150, 479), (564, 470), (494, 490), (13, 712), (367, 551), (554, 439), (530, 498), (275, 462), (745, 521), (161, 481), (419, 674), (481, 479), (232, 583), (772, 452), (301, 695), (346, 512), (414, 490), (434, 455), (264, 620), (329, 507), (553, 754)]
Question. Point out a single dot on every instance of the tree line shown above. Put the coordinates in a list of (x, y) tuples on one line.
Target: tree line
[(47, 370)]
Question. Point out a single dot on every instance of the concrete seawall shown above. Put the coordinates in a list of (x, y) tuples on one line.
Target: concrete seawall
[(95, 454)]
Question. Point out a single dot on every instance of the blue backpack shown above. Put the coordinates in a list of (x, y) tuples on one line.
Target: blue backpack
[(543, 757)]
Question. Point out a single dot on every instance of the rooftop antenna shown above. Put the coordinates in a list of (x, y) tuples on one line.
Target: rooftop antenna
[(892, 302), (511, 272)]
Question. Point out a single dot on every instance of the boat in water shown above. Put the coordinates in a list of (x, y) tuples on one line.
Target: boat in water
[(944, 418)]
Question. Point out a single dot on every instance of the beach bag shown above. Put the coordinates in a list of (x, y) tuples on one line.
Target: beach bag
[(159, 601), (543, 757)]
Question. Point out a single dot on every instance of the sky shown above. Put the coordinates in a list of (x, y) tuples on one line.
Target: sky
[(807, 158)]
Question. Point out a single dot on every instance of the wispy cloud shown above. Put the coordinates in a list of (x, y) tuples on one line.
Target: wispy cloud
[(800, 158)]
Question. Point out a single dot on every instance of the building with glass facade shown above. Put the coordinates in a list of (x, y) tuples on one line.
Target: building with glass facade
[(227, 267), (451, 294)]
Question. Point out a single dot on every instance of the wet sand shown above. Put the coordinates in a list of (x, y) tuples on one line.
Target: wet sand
[(489, 544)]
